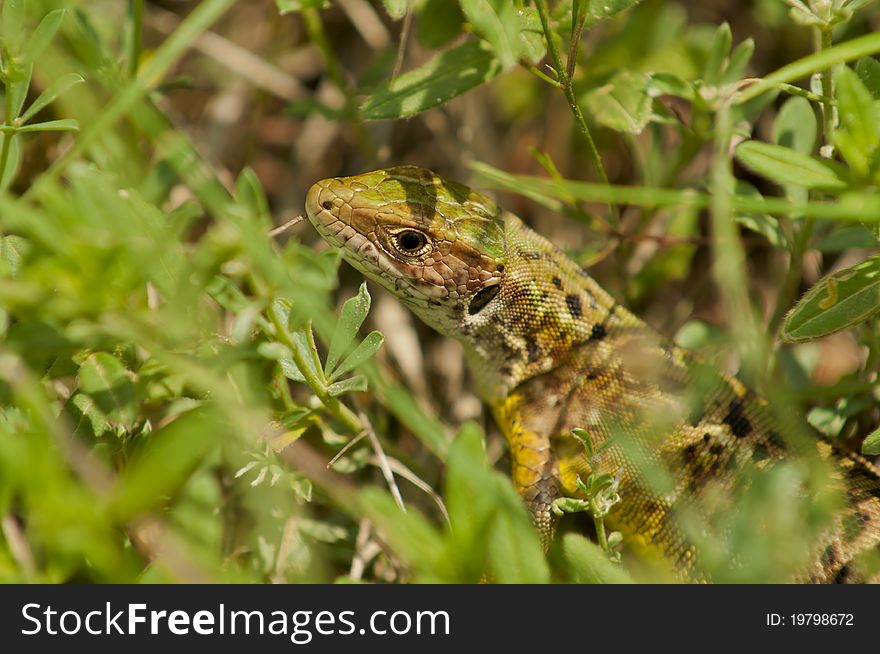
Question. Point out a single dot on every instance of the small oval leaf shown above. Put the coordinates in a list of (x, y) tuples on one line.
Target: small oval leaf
[(787, 166), (836, 302), (352, 316), (444, 77)]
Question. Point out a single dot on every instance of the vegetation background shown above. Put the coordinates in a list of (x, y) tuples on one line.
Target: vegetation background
[(176, 370)]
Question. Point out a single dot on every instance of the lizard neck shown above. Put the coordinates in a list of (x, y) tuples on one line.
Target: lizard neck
[(546, 308)]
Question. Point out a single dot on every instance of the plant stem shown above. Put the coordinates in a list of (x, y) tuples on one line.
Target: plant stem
[(824, 42), (565, 78), (600, 533), (8, 119), (336, 408), (136, 8)]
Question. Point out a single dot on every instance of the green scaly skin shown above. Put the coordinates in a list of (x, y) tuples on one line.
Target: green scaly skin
[(550, 350)]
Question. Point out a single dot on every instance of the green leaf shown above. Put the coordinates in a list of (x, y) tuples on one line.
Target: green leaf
[(601, 11), (411, 536), (796, 126), (289, 370), (531, 35), (858, 135), (717, 55), (623, 104), (469, 494), (830, 420), (444, 77), (107, 381), (249, 192), (87, 411), (356, 383), (19, 76), (588, 564), (845, 238), (55, 89), (352, 316), (835, 302), (396, 8), (515, 553), (868, 70), (62, 125), (101, 372), (12, 250), (438, 23), (786, 166), (738, 62), (871, 445), (365, 349), (498, 23), (13, 24), (42, 35), (165, 463)]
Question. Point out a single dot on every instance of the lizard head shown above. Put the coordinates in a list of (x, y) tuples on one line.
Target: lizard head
[(437, 245)]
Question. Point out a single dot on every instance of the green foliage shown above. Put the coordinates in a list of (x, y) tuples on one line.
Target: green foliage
[(172, 376)]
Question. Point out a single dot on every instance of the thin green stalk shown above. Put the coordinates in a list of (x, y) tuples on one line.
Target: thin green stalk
[(792, 281), (336, 408), (824, 42), (600, 533), (729, 267), (8, 120), (136, 10), (566, 80)]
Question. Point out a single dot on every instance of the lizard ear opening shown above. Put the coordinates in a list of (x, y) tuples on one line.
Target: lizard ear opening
[(483, 297)]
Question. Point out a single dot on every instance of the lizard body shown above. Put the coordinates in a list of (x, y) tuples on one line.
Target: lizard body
[(550, 350)]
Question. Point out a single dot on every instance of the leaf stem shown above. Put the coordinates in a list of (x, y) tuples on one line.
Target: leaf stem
[(824, 42), (136, 9), (564, 75), (336, 408)]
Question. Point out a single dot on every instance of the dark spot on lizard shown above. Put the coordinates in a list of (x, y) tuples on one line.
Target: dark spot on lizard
[(760, 453), (717, 450), (574, 305), (599, 332), (842, 574), (689, 453), (829, 557), (505, 371), (864, 481), (707, 437), (499, 268), (736, 419), (775, 439), (533, 350), (557, 282), (531, 256)]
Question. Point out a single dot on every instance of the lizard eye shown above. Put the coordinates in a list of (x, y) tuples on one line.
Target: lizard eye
[(410, 242)]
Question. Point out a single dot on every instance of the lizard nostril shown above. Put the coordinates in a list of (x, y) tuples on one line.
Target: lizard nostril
[(327, 205)]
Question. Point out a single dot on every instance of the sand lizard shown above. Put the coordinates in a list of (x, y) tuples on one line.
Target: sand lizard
[(550, 350)]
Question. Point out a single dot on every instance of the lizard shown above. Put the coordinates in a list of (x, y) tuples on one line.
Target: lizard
[(550, 351)]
